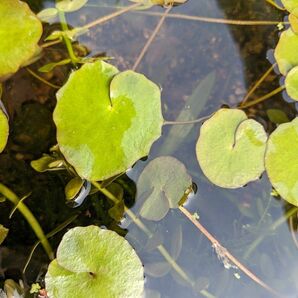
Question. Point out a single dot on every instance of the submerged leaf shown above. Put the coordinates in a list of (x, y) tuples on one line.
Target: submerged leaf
[(286, 53), (3, 233), (231, 148), (70, 5), (277, 116), (4, 130), (92, 262), (20, 31), (281, 160), (291, 83), (48, 14), (106, 120), (162, 185)]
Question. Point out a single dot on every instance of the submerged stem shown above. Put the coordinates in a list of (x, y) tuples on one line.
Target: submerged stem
[(149, 234), (187, 122), (275, 225), (263, 98), (257, 84), (151, 38), (12, 197), (227, 254), (35, 75)]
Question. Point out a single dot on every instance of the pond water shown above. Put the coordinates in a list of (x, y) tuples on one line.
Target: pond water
[(200, 66)]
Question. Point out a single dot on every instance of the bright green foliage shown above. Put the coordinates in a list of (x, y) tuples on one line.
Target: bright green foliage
[(3, 233), (281, 160), (231, 148), (73, 187), (20, 31), (106, 120), (93, 262), (4, 130), (291, 83), (286, 53), (162, 184), (70, 5), (290, 5)]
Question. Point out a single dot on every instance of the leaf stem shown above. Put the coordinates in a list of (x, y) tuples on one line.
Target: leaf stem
[(257, 84), (12, 197), (67, 41), (274, 226), (226, 253), (34, 74), (149, 234), (151, 38), (187, 122), (263, 98)]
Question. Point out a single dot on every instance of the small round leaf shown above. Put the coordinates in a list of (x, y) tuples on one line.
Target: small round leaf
[(106, 120), (231, 148), (286, 53), (291, 83), (92, 262), (20, 31), (3, 233), (161, 186), (4, 130), (281, 160)]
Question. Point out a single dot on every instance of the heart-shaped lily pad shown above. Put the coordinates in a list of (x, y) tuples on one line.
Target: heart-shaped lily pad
[(281, 160), (290, 5), (231, 148), (286, 53), (92, 262), (20, 31), (106, 120), (291, 83), (161, 186), (4, 130)]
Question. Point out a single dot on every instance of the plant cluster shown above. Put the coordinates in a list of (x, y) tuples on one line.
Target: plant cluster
[(106, 121)]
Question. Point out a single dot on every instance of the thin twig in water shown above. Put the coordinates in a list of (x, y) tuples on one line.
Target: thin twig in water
[(263, 98), (257, 84), (150, 40), (293, 231), (187, 122), (42, 79), (225, 254)]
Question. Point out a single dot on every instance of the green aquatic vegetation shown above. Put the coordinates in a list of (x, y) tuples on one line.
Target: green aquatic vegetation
[(20, 31), (231, 148), (291, 83), (3, 233), (290, 5), (162, 185), (95, 262), (286, 53), (281, 160), (117, 118), (4, 129)]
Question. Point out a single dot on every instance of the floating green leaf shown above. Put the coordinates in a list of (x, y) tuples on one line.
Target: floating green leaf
[(4, 130), (231, 148), (20, 31), (106, 120), (161, 186), (291, 83), (70, 5), (281, 160), (3, 233), (290, 5), (92, 262), (286, 53), (293, 19)]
